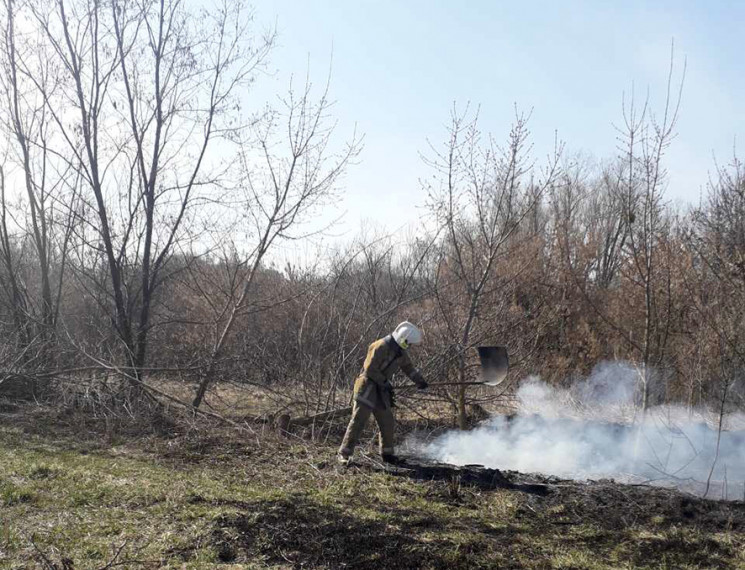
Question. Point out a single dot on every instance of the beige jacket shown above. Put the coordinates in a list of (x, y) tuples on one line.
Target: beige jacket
[(384, 358)]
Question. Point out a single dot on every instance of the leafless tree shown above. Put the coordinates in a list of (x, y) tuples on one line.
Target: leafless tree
[(716, 281), (610, 232), (628, 229), (9, 278), (480, 198), (288, 168), (144, 90), (26, 119), (645, 140)]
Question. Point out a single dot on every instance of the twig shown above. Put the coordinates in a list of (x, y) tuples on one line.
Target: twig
[(113, 562), (48, 563)]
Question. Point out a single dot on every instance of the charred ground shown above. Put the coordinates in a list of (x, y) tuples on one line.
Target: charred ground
[(193, 495)]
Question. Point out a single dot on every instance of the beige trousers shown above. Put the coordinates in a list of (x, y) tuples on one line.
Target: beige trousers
[(360, 415)]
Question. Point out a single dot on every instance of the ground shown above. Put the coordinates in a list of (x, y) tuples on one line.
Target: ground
[(79, 494)]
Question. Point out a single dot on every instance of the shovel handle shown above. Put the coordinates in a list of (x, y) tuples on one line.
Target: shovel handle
[(434, 385), (438, 384)]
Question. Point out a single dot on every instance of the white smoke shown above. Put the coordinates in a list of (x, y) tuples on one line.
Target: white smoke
[(593, 430)]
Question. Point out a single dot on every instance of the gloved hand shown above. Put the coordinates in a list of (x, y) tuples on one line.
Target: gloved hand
[(422, 385)]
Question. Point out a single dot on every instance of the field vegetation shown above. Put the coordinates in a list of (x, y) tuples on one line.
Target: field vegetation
[(168, 388), (202, 495)]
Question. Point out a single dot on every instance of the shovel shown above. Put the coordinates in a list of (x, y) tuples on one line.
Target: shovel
[(494, 366)]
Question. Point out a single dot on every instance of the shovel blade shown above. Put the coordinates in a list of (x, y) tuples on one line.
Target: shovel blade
[(494, 364)]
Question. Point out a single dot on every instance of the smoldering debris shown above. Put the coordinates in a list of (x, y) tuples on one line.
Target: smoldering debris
[(593, 430)]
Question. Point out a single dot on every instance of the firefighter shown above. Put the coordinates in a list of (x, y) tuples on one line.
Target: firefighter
[(373, 392)]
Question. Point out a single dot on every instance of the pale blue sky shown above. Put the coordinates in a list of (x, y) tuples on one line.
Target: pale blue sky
[(398, 67)]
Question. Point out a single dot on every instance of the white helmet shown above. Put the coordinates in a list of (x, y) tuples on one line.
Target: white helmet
[(407, 334)]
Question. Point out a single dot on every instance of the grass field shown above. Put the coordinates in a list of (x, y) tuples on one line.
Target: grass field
[(201, 496)]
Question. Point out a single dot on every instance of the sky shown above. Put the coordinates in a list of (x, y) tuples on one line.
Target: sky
[(398, 67)]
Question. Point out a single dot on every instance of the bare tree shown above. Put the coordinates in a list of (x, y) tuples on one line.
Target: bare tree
[(716, 281), (27, 122), (481, 199), (628, 228), (287, 169), (9, 277), (646, 139), (609, 227), (145, 89)]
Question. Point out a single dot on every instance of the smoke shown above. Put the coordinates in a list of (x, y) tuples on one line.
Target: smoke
[(593, 430)]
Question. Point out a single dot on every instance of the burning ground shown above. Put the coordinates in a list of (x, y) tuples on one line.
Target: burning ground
[(592, 429), (195, 496)]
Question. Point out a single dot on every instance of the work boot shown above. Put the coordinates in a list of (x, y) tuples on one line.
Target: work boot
[(391, 458)]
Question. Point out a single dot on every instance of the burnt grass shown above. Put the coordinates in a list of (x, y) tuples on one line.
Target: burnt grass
[(297, 529), (329, 536), (200, 495)]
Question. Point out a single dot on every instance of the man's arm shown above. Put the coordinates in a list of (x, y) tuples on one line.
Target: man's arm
[(414, 375)]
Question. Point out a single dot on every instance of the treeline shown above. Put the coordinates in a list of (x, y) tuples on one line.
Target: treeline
[(141, 203)]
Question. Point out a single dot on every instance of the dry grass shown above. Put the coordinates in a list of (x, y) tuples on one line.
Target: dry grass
[(201, 495)]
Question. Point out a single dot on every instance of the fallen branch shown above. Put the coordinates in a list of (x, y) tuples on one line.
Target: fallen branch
[(134, 379), (322, 417), (47, 563), (113, 561)]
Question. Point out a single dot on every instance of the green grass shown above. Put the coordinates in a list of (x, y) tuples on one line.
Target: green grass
[(197, 502)]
